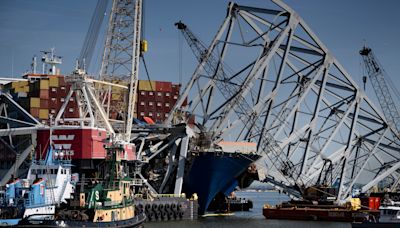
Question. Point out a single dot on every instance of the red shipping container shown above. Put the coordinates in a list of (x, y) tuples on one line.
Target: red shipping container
[(34, 112), (150, 94), (166, 109), (44, 104), (377, 203), (62, 93), (371, 203), (139, 109), (160, 98), (61, 81), (175, 90), (69, 114), (374, 203), (53, 92), (44, 94), (163, 86), (53, 104)]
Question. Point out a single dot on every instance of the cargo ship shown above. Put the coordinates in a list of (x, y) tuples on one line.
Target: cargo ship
[(217, 171), (209, 169)]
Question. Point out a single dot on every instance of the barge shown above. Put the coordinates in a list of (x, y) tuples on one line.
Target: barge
[(331, 213)]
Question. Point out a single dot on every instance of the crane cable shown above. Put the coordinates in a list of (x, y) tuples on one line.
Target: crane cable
[(147, 72), (92, 34), (393, 87), (142, 35), (142, 27), (387, 77), (180, 55)]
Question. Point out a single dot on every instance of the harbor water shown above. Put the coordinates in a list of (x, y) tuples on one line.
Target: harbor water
[(251, 219)]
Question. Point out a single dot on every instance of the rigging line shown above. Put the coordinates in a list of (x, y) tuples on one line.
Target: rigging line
[(387, 77), (393, 87), (93, 32), (142, 27), (180, 55), (147, 73), (361, 71)]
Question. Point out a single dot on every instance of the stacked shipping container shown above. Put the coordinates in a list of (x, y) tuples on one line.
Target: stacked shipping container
[(156, 99), (43, 96)]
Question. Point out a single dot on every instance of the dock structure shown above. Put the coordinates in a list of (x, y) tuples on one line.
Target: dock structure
[(311, 124)]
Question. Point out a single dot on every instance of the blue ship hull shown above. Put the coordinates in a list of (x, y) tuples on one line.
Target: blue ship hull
[(213, 172), (9, 222)]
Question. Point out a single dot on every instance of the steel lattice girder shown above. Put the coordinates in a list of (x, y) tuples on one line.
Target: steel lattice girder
[(267, 78), (91, 111), (17, 133)]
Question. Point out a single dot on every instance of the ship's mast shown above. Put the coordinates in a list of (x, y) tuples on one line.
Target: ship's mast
[(49, 58)]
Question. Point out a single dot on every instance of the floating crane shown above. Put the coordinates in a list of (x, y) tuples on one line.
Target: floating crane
[(378, 77)]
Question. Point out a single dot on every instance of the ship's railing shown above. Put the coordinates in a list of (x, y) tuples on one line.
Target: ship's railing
[(111, 203), (159, 196), (136, 182), (183, 195)]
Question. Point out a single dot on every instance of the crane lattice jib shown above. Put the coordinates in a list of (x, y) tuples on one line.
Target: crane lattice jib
[(135, 67), (121, 56), (376, 75)]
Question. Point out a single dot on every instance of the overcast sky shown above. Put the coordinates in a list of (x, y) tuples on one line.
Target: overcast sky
[(27, 27)]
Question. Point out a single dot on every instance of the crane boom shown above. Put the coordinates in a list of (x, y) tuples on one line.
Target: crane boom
[(121, 56), (135, 67), (377, 76)]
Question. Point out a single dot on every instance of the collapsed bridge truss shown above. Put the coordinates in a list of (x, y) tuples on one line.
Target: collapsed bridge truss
[(267, 78)]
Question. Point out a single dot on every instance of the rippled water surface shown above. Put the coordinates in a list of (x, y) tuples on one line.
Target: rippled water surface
[(250, 219)]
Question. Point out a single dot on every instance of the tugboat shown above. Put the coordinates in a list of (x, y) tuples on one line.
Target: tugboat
[(389, 215), (56, 170), (49, 182), (22, 200), (224, 204), (107, 203)]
